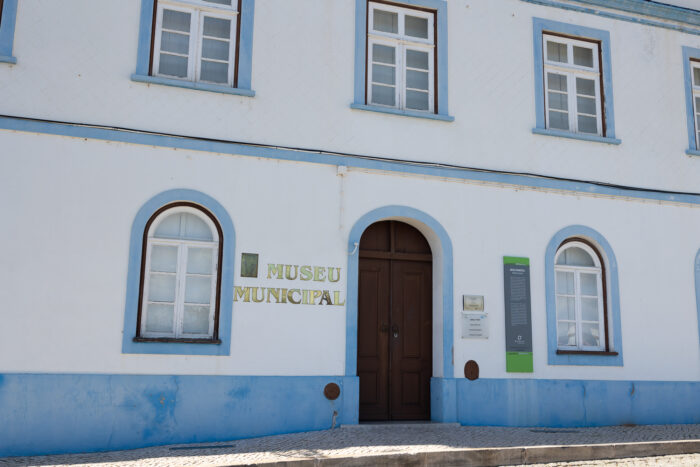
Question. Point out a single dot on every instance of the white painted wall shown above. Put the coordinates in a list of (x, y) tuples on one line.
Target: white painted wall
[(75, 58), (70, 204)]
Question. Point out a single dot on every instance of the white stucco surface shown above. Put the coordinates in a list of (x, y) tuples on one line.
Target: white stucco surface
[(71, 203), (303, 75)]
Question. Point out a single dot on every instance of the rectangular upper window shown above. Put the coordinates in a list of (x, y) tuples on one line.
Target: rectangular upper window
[(695, 80), (691, 77), (197, 44), (8, 16), (573, 81), (401, 57), (196, 41)]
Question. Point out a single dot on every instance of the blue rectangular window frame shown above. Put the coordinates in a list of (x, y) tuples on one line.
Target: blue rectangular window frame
[(440, 7), (690, 54), (8, 16), (542, 26), (245, 54)]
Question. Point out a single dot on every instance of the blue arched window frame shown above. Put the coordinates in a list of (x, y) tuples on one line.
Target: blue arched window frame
[(612, 358), (136, 251)]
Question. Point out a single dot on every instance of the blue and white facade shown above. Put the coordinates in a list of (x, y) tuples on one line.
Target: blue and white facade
[(295, 163)]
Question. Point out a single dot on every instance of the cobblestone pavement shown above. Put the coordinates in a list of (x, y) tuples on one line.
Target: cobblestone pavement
[(665, 461), (366, 440)]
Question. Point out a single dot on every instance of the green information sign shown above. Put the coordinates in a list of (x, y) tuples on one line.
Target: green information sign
[(516, 280)]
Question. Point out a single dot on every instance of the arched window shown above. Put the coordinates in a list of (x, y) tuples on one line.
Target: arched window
[(581, 308), (180, 275)]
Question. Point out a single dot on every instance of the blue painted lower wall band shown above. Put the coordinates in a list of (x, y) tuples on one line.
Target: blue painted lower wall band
[(576, 403), (61, 413)]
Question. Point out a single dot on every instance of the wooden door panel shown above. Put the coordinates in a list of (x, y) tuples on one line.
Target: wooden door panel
[(372, 346), (395, 294), (411, 359)]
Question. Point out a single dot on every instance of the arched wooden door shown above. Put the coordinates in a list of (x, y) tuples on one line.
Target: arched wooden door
[(394, 342)]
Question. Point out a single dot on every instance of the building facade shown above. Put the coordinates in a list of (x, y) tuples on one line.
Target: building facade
[(227, 219)]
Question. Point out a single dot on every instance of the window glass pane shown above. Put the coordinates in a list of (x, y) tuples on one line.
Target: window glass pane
[(217, 27), (566, 309), (163, 258), (214, 71), (696, 74), (587, 124), (173, 65), (574, 256), (417, 79), (590, 335), (383, 95), (417, 100), (417, 59), (558, 101), (175, 42), (198, 289), (184, 226), (589, 309), (586, 105), (583, 56), (589, 284), (383, 54), (161, 288), (416, 27), (194, 228), (176, 20), (383, 74), (218, 50), (557, 52), (566, 333), (159, 318), (199, 260), (220, 2), (559, 120), (697, 104), (565, 283), (195, 320), (556, 82), (585, 87), (386, 21)]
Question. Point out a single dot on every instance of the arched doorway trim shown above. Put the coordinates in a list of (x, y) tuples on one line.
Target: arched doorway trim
[(442, 269)]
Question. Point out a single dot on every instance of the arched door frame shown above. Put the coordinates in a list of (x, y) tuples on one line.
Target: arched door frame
[(443, 313)]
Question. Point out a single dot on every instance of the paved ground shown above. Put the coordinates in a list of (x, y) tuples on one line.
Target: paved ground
[(371, 440)]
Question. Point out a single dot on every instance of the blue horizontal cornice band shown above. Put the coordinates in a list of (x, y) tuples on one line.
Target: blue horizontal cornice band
[(644, 7), (622, 17), (318, 157)]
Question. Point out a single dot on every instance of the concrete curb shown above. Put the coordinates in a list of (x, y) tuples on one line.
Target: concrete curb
[(506, 455)]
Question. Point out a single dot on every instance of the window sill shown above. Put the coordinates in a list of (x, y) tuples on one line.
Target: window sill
[(8, 59), (693, 152), (405, 113), (578, 136), (586, 352), (192, 85), (179, 341)]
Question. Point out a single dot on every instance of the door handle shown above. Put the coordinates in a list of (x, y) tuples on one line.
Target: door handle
[(384, 328), (395, 330)]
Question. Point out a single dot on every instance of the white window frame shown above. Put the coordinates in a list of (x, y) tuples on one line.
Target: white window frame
[(573, 71), (577, 270), (198, 9), (401, 42), (181, 275), (695, 65)]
